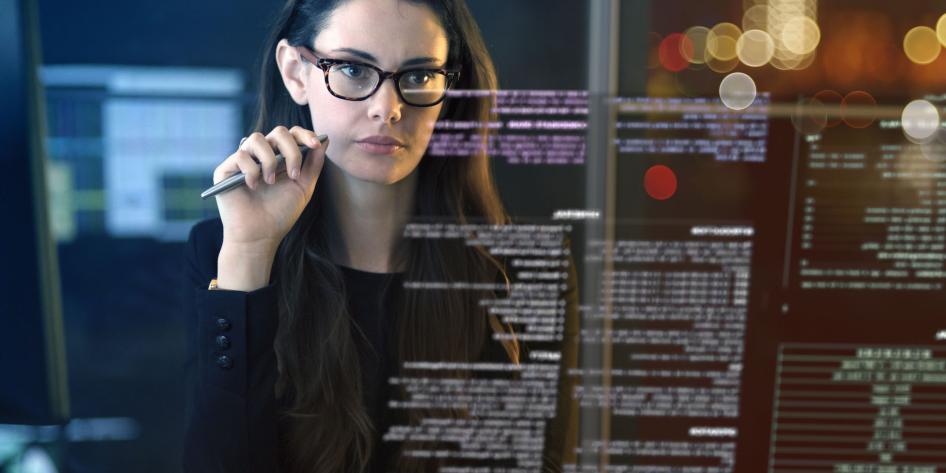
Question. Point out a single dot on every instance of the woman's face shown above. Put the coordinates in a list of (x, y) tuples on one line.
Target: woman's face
[(388, 34)]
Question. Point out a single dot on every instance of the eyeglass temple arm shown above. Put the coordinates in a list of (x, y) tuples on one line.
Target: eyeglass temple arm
[(307, 55)]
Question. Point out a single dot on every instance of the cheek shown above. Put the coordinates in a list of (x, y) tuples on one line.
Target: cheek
[(425, 122), (331, 116)]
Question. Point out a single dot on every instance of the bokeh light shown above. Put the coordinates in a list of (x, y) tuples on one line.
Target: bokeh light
[(921, 45), (809, 116), (660, 182), (737, 91), (756, 17), (794, 29), (721, 41), (920, 121), (36, 460), (697, 36), (941, 29), (786, 60), (755, 48), (801, 35), (662, 84), (805, 61), (785, 64), (831, 101), (720, 66), (724, 48), (671, 52), (858, 109)]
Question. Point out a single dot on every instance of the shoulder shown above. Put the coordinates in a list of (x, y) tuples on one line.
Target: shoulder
[(203, 244)]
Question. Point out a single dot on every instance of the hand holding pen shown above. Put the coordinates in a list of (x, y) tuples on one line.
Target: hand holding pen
[(239, 178), (280, 171)]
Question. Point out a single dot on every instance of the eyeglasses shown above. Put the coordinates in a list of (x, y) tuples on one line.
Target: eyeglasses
[(352, 80)]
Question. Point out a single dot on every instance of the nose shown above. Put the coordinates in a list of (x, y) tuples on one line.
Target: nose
[(385, 104)]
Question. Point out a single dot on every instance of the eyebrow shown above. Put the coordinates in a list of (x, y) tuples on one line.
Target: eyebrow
[(368, 57)]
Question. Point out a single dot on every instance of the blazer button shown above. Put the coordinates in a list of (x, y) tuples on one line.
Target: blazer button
[(223, 342), (223, 324), (224, 361)]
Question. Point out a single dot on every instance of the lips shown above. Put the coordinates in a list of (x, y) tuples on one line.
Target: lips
[(381, 140), (380, 144)]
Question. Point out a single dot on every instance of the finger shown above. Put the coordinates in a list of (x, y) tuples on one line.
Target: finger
[(262, 150), (249, 167), (287, 146), (226, 169), (305, 137), (312, 168)]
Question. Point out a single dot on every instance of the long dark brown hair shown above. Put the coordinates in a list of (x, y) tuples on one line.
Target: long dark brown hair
[(327, 428)]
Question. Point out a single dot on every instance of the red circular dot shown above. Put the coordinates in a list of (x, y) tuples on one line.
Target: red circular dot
[(660, 182), (858, 109), (673, 52)]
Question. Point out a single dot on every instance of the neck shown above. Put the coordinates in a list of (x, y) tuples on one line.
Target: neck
[(371, 219)]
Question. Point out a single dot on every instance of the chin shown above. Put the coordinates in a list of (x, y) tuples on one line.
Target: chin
[(375, 169)]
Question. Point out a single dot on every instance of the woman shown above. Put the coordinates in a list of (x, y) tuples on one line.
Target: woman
[(307, 318)]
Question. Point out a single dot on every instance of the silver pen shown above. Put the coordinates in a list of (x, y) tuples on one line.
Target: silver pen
[(239, 178)]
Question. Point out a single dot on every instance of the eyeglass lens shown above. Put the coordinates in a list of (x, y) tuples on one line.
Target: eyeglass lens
[(417, 87)]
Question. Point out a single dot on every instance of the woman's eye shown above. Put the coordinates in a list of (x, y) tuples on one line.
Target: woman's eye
[(353, 71), (419, 77)]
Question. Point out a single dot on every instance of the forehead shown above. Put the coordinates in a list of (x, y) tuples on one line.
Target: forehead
[(391, 30)]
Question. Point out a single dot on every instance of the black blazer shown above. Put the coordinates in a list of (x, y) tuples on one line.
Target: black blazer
[(231, 418), (231, 370)]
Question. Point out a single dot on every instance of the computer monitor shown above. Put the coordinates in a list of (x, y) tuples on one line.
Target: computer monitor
[(32, 360)]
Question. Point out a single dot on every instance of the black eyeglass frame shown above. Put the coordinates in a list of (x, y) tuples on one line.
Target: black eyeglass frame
[(452, 75)]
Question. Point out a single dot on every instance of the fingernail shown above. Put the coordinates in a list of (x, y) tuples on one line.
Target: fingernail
[(313, 141), (271, 178), (294, 173)]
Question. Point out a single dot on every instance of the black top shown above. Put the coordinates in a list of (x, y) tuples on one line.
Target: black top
[(370, 300), (232, 410)]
